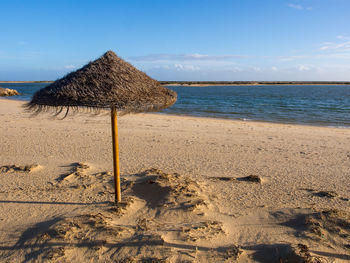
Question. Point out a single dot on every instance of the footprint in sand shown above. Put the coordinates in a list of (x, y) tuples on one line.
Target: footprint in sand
[(329, 194), (18, 168), (329, 227), (251, 178), (222, 178), (201, 230), (325, 194)]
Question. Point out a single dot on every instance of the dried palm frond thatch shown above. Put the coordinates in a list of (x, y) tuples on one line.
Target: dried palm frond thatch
[(108, 82)]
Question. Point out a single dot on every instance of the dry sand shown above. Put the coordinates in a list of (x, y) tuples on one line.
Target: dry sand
[(194, 190)]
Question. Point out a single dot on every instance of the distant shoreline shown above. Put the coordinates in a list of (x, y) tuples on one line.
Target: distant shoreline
[(250, 83), (219, 83)]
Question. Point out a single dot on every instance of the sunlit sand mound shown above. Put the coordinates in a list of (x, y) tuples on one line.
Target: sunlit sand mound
[(168, 192), (81, 180), (163, 218)]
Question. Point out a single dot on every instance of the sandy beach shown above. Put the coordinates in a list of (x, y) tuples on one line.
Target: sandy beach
[(194, 190)]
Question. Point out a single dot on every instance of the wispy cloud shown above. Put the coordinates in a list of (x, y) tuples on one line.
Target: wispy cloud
[(69, 67), (341, 46), (177, 67), (296, 6), (304, 67), (291, 58), (184, 57), (186, 67), (341, 37), (299, 7), (322, 61)]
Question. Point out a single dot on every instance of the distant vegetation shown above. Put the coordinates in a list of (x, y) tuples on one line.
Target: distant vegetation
[(255, 82), (36, 81)]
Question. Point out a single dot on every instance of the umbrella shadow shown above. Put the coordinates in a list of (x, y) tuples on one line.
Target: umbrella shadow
[(38, 249), (332, 255), (284, 253), (33, 231), (47, 240), (329, 226), (266, 253)]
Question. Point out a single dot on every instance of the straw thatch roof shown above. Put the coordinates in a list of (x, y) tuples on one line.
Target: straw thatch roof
[(106, 82)]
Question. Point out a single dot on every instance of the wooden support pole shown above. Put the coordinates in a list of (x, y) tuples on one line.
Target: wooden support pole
[(114, 122)]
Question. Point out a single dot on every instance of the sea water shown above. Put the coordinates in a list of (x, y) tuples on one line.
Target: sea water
[(321, 105)]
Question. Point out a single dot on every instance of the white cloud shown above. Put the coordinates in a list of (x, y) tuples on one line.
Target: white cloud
[(257, 69), (196, 56), (343, 45), (69, 67), (290, 58), (179, 66), (186, 67), (301, 72), (294, 6), (337, 55), (303, 67), (184, 57), (162, 67), (343, 37), (237, 69), (305, 64), (299, 7)]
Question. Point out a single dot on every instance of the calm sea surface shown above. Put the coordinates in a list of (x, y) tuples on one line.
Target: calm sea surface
[(319, 105)]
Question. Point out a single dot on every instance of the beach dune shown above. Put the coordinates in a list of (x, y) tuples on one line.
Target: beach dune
[(194, 190)]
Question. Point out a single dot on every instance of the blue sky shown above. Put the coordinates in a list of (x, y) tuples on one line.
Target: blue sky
[(179, 39)]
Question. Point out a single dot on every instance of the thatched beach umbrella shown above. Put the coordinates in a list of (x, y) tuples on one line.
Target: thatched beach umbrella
[(106, 83)]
